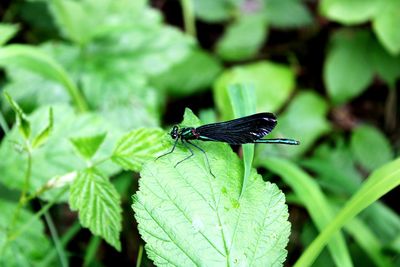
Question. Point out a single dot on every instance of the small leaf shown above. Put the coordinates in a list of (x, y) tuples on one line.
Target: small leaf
[(43, 135), (243, 38), (370, 147), (7, 31), (347, 69), (273, 84), (287, 14), (183, 78), (98, 204), (386, 24), (87, 146), (213, 11), (22, 121), (343, 10), (137, 147)]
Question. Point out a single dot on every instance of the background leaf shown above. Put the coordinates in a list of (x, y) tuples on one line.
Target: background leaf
[(378, 151), (88, 146)]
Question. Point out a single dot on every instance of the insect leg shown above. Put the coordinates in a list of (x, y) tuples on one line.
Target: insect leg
[(172, 150), (191, 153), (205, 154)]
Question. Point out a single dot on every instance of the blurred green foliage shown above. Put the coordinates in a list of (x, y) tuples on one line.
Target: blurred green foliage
[(88, 84)]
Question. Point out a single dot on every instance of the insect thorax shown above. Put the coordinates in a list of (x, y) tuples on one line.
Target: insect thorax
[(189, 133)]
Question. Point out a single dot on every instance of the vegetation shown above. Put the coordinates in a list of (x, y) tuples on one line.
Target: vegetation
[(90, 89)]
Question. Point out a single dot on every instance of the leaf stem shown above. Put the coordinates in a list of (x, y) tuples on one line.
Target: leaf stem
[(189, 17)]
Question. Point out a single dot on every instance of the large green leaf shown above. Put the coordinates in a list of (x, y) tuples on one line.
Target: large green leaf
[(273, 84), (98, 203), (30, 247), (137, 147), (189, 218)]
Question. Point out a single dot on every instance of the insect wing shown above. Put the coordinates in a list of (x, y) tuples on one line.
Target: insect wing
[(239, 131)]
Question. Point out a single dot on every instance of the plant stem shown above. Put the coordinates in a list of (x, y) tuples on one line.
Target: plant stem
[(37, 215), (188, 17)]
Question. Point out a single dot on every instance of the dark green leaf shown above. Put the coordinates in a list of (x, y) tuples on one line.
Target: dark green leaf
[(243, 38), (347, 69), (287, 14), (370, 147)]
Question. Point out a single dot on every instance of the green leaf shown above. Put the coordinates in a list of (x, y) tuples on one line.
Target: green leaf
[(7, 31), (287, 14), (184, 79), (243, 38), (44, 134), (370, 147), (73, 20), (273, 84), (385, 26), (310, 194), (386, 65), (98, 204), (137, 147), (343, 10), (23, 123), (34, 60), (213, 11), (347, 69), (243, 103), (25, 249), (378, 183), (56, 156), (304, 120), (87, 146), (189, 218)]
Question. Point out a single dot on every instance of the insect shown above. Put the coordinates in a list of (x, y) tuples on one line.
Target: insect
[(246, 130)]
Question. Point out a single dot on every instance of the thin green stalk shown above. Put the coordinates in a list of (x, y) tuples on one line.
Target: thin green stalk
[(140, 256), (3, 123), (189, 17), (72, 231), (56, 240), (25, 189), (91, 250)]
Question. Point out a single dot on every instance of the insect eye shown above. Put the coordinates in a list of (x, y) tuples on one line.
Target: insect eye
[(174, 132)]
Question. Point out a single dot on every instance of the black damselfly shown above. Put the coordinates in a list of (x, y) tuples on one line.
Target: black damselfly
[(246, 130)]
